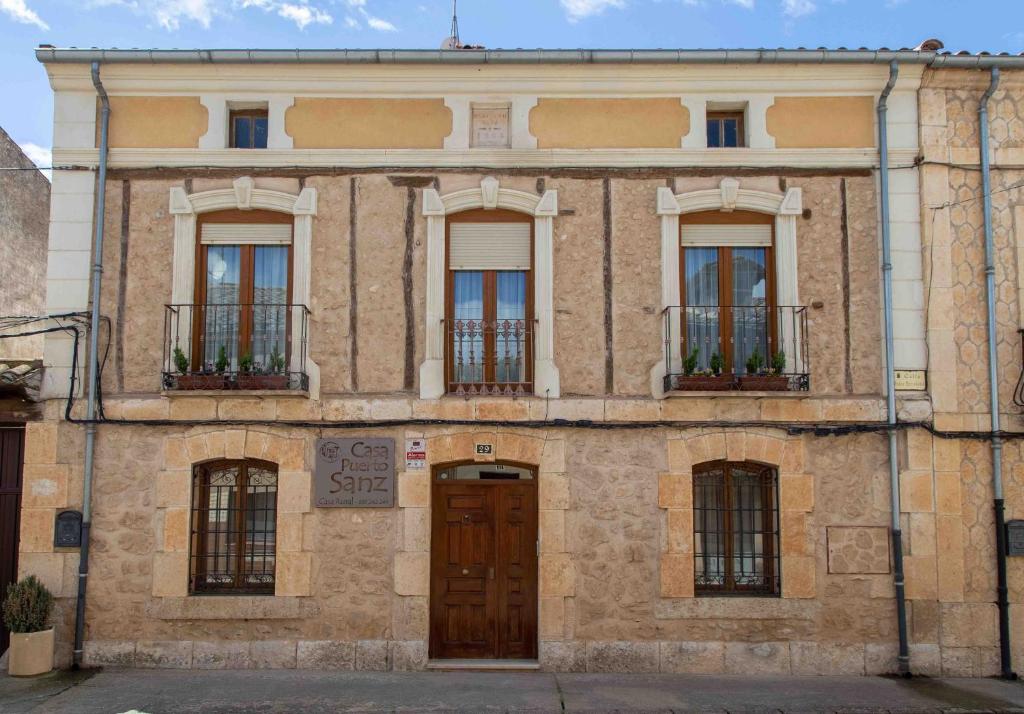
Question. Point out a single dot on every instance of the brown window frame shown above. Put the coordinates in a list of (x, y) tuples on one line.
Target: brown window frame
[(769, 529), (490, 296), (247, 279), (725, 275), (740, 130), (251, 114), (199, 533)]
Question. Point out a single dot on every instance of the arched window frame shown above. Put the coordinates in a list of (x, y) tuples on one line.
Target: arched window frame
[(767, 514), (489, 196), (236, 525)]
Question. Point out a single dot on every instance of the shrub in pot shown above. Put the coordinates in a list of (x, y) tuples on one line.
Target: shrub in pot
[(758, 378), (26, 611), (705, 380)]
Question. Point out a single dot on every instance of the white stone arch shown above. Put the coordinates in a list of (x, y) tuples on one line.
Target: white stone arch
[(490, 196), (727, 197), (243, 195)]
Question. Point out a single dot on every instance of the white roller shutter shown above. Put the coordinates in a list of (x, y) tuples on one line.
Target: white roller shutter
[(490, 246), (247, 233), (727, 236)]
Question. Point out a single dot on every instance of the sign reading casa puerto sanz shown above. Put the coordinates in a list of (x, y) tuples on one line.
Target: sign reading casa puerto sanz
[(355, 473)]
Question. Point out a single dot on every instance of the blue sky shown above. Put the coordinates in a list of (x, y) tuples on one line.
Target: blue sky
[(993, 25)]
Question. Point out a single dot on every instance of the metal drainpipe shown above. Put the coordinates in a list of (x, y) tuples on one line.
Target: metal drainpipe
[(903, 658), (1005, 663), (90, 411)]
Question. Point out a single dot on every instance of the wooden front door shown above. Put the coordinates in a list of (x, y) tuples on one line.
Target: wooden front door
[(12, 450), (483, 585)]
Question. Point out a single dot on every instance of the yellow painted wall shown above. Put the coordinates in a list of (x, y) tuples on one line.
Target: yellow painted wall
[(822, 122), (609, 123), (368, 123), (156, 122)]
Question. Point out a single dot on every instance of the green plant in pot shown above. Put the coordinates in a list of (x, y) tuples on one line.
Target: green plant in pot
[(755, 362), (762, 377), (705, 379), (716, 363), (26, 610), (690, 363), (778, 362)]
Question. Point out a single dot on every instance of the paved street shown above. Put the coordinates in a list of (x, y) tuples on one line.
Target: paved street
[(155, 692)]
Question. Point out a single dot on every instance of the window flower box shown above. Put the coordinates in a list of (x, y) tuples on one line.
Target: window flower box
[(764, 383), (704, 382), (262, 381), (202, 381)]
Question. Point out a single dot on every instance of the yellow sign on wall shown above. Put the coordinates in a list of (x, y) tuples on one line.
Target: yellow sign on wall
[(911, 380)]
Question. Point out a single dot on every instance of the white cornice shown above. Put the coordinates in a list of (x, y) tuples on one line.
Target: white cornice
[(477, 158)]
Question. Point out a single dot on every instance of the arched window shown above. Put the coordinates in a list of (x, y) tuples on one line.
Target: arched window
[(489, 305), (233, 536), (736, 531), (728, 290)]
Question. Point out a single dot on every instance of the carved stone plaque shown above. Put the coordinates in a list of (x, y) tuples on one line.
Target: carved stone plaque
[(490, 126), (355, 473)]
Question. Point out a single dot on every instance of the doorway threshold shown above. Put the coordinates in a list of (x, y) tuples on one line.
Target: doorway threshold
[(484, 665)]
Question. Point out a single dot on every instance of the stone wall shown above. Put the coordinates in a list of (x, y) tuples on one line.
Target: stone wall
[(24, 220)]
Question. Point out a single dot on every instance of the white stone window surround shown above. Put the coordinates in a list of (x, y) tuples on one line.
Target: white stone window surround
[(755, 118), (244, 196), (727, 197), (219, 106), (461, 107), (490, 196)]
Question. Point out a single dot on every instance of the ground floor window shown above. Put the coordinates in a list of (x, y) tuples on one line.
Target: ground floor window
[(233, 535), (735, 517)]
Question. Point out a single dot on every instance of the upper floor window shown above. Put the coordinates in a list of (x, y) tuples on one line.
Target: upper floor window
[(489, 303), (728, 287), (736, 533), (233, 534), (249, 128), (725, 129)]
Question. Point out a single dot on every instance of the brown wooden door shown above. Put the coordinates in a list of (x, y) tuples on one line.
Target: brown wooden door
[(12, 447), (483, 586)]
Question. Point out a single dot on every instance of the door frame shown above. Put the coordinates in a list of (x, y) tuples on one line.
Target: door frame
[(16, 493), (435, 469)]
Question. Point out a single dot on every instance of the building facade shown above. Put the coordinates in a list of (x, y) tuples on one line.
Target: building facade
[(615, 322)]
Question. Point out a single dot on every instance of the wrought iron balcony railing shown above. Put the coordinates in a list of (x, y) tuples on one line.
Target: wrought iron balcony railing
[(235, 346), (489, 357), (745, 347)]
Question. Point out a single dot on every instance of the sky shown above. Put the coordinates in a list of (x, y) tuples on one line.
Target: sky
[(981, 25)]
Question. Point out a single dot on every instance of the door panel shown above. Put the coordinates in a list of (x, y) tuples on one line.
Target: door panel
[(12, 444), (484, 570)]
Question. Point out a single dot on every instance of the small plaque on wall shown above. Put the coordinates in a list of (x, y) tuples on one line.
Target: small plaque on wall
[(355, 473), (1015, 538), (490, 126), (911, 380), (67, 531)]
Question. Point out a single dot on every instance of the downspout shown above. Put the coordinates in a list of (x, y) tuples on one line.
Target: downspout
[(90, 410), (1002, 602), (903, 658)]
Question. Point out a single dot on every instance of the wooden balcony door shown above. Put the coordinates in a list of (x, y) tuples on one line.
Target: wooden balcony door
[(483, 594), (12, 450)]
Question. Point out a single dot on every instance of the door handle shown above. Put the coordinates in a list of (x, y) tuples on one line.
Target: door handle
[(490, 572)]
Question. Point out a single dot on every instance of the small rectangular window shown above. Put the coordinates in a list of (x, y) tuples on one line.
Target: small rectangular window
[(725, 130), (249, 129)]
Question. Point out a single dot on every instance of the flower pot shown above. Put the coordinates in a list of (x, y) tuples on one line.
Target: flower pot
[(764, 383), (262, 381), (31, 653), (202, 381), (704, 382)]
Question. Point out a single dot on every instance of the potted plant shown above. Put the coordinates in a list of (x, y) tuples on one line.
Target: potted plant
[(711, 380), (277, 377), (27, 610), (184, 379), (761, 379)]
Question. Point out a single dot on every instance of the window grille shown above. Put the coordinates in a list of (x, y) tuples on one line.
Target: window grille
[(736, 533), (233, 536)]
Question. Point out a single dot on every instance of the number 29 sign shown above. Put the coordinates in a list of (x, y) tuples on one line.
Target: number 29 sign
[(355, 473)]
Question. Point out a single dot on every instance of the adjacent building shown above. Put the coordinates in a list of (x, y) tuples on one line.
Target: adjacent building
[(573, 359)]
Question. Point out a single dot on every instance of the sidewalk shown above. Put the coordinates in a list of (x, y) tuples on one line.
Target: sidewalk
[(159, 691)]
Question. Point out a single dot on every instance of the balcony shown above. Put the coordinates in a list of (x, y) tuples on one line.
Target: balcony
[(729, 348), (235, 347), (489, 357)]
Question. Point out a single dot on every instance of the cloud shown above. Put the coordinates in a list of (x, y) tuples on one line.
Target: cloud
[(304, 15), (20, 12), (40, 156), (380, 25), (374, 23), (798, 8), (577, 10), (170, 13)]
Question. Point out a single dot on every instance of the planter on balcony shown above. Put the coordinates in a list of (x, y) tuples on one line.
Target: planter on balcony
[(764, 383), (704, 382), (202, 381), (262, 381)]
